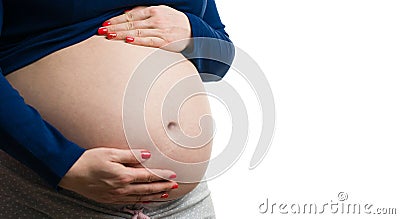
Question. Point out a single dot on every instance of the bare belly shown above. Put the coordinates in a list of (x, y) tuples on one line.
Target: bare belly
[(80, 90)]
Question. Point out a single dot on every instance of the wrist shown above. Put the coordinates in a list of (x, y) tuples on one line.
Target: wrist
[(187, 41)]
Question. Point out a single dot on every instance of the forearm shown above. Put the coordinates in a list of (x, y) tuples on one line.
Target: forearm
[(31, 140), (211, 51)]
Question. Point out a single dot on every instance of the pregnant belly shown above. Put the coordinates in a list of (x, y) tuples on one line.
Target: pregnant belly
[(80, 90)]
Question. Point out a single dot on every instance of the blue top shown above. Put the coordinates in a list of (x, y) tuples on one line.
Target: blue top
[(30, 30)]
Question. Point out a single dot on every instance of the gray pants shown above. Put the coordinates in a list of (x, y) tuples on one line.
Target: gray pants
[(23, 194)]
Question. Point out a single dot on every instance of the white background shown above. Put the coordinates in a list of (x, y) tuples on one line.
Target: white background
[(334, 70)]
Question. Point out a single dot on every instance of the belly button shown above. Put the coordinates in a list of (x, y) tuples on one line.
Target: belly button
[(172, 125)]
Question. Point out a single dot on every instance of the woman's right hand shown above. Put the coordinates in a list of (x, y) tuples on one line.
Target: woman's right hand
[(101, 174)]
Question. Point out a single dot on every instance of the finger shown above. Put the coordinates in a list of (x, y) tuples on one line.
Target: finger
[(146, 188), (130, 199), (135, 14), (135, 33), (144, 175), (129, 156), (130, 25), (155, 42)]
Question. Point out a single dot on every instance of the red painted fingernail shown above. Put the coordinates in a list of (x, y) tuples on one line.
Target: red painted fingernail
[(111, 35), (173, 176), (130, 39), (175, 186), (165, 195), (126, 11), (145, 154), (106, 23), (102, 31)]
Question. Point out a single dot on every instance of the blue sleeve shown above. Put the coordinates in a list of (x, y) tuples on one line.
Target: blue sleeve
[(216, 55), (31, 140)]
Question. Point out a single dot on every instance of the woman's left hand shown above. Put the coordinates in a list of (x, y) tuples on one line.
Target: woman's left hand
[(154, 26)]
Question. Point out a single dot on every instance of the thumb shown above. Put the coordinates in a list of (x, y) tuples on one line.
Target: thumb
[(135, 156)]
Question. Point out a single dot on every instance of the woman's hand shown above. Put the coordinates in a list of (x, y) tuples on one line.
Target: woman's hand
[(100, 175), (154, 26)]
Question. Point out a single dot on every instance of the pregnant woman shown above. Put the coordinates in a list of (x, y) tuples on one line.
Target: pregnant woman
[(76, 80)]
